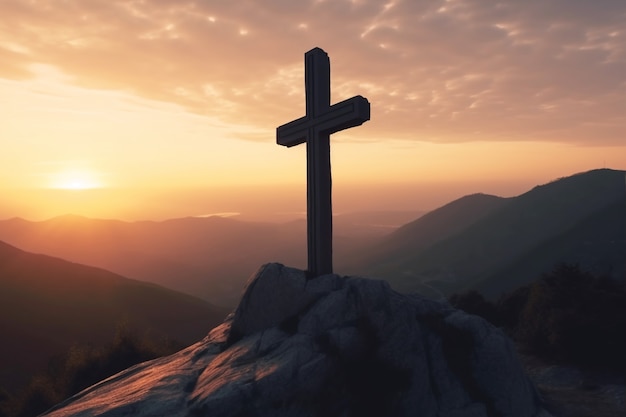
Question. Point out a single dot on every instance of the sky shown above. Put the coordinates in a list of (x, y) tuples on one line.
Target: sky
[(149, 109)]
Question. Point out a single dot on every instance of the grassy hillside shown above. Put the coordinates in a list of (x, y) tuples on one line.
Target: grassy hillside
[(48, 304)]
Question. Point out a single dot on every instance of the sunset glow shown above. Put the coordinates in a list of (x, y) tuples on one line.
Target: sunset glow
[(162, 100), (75, 180)]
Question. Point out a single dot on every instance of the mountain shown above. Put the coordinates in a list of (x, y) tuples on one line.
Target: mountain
[(497, 244), (187, 254), (208, 257), (48, 304), (331, 346), (371, 223), (435, 226), (597, 243)]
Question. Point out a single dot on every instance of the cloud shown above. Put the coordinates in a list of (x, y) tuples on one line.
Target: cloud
[(434, 70)]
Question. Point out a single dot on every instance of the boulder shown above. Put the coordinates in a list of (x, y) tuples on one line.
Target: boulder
[(330, 346)]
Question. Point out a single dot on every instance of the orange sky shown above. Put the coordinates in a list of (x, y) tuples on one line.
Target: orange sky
[(171, 107)]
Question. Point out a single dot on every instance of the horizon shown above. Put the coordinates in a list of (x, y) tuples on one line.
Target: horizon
[(474, 98), (287, 205)]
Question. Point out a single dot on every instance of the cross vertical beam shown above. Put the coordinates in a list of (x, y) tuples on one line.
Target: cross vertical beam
[(319, 181), (315, 128)]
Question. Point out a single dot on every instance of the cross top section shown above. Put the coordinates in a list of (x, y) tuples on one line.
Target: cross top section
[(314, 129), (321, 117)]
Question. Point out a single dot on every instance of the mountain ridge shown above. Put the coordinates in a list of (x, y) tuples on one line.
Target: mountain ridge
[(436, 225), (209, 257), (502, 236)]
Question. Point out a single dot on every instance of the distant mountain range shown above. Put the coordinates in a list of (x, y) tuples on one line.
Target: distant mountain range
[(48, 304), (496, 244), (486, 242), (209, 257)]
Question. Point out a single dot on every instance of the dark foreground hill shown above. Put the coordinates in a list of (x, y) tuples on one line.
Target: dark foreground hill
[(497, 244), (332, 346), (47, 305)]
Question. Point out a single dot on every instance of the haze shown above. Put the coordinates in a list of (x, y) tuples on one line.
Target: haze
[(151, 110)]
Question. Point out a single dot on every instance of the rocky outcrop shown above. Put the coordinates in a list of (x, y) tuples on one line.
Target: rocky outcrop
[(331, 346)]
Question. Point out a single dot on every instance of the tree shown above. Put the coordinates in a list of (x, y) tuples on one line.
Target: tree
[(574, 316), (473, 302), (83, 366)]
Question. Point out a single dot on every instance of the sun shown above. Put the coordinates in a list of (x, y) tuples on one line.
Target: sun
[(78, 184), (75, 179)]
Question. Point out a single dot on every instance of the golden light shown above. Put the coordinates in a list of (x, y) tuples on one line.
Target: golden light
[(75, 179)]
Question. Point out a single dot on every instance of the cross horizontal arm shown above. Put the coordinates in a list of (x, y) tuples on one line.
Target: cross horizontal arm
[(348, 113)]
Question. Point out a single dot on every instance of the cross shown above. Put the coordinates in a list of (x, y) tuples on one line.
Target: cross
[(315, 128)]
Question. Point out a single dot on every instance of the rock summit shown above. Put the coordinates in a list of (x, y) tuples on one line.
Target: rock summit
[(330, 346)]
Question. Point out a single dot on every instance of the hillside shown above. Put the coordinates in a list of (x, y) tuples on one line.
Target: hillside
[(48, 304), (431, 228), (502, 244), (598, 243)]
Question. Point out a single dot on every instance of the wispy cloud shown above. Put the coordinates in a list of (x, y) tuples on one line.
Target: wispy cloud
[(441, 71)]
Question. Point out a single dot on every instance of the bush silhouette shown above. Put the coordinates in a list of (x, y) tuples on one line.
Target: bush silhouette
[(510, 306), (5, 402), (81, 367), (474, 303), (574, 316), (567, 315)]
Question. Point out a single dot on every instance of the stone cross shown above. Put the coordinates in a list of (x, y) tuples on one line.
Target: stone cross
[(315, 129)]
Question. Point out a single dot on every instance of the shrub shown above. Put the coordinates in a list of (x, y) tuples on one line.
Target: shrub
[(83, 366), (473, 302), (5, 402), (567, 315), (510, 306), (574, 316)]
